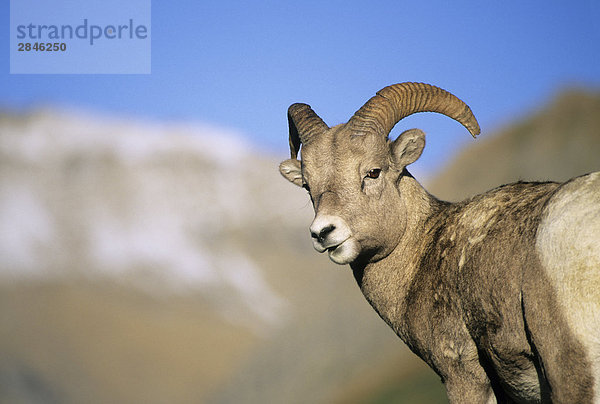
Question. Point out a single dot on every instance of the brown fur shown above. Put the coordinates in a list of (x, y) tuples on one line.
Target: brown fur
[(471, 325)]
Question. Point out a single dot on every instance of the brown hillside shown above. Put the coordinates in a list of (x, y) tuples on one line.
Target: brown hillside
[(560, 141)]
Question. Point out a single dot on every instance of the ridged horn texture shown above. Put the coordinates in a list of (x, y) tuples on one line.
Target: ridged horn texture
[(395, 102), (304, 123)]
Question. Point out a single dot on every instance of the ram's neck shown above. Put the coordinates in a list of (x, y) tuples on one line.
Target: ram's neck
[(385, 283)]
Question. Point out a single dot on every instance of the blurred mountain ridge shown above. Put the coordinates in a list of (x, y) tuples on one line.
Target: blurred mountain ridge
[(96, 197), (556, 141)]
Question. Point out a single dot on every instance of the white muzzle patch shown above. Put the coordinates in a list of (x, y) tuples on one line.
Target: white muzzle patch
[(332, 234)]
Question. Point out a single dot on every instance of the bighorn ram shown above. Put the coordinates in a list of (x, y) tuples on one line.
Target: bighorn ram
[(499, 294)]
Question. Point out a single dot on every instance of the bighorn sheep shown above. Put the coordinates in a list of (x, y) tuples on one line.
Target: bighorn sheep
[(499, 294)]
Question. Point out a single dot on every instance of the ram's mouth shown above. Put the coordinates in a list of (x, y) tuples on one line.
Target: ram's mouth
[(333, 248), (328, 246), (344, 252)]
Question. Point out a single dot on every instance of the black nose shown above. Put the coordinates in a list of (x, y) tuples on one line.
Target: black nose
[(323, 232)]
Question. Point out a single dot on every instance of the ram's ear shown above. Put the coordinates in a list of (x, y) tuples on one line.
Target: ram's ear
[(407, 148), (291, 170)]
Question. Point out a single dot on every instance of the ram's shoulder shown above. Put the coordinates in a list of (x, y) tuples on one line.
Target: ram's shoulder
[(516, 205)]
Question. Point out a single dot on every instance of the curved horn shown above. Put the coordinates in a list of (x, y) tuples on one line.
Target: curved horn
[(395, 102), (304, 123)]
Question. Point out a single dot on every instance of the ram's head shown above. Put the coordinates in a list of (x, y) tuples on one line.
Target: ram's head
[(352, 171)]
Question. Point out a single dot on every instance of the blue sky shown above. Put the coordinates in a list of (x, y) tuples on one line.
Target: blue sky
[(240, 64)]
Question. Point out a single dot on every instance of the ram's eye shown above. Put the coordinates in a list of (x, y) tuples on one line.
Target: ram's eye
[(374, 173)]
